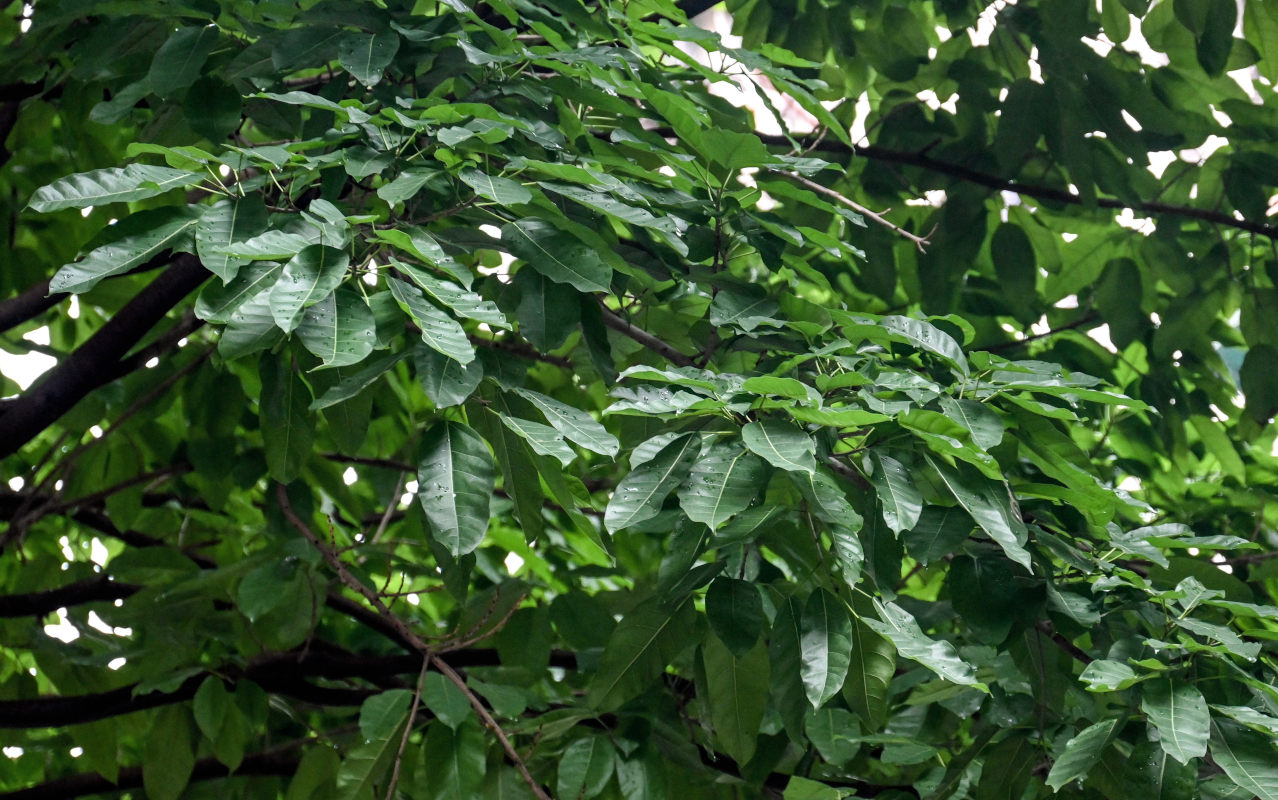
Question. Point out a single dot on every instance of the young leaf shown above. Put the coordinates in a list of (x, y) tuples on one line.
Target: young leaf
[(455, 478), (826, 642)]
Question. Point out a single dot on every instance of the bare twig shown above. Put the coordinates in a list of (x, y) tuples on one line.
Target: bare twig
[(920, 242), (281, 495), (408, 728)]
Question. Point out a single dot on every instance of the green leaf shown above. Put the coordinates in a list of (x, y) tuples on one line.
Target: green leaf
[(287, 426), (543, 439), (455, 477), (547, 311), (307, 278), (826, 643), (927, 336), (138, 239), (870, 673), (170, 755), (1081, 753), (354, 381), (899, 626), (1179, 712), (315, 776), (559, 256), (382, 713), (938, 533), (366, 764), (575, 424), (835, 733), (585, 767), (744, 310), (111, 185), (222, 224), (445, 381), (783, 446), (737, 692), (722, 483), (991, 512), (640, 494), (1006, 771), (179, 60), (463, 302), (339, 329), (643, 643), (500, 190), (440, 332), (983, 423), (1103, 675), (1151, 772), (735, 611), (902, 504), (367, 55), (1247, 757), (445, 700)]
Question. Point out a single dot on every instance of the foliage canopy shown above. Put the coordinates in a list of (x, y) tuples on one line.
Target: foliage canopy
[(465, 400)]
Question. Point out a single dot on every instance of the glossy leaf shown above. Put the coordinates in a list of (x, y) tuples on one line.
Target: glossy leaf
[(455, 476), (221, 225), (902, 629), (139, 239), (641, 645), (1246, 757), (826, 642), (439, 331), (902, 504), (366, 55), (575, 425), (869, 675), (1179, 712), (738, 690), (559, 256), (735, 611), (721, 484), (783, 446), (307, 278), (111, 185), (585, 767), (339, 329), (1081, 753), (640, 494)]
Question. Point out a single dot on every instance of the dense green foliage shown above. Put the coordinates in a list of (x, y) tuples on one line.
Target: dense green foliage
[(465, 401)]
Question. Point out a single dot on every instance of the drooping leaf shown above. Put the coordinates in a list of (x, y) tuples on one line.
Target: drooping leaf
[(170, 754), (1179, 712), (738, 691), (558, 255), (455, 477), (783, 446), (643, 643), (440, 332), (1081, 753), (826, 643), (735, 611), (366, 55), (307, 278), (869, 675), (223, 223), (899, 626), (139, 239), (640, 494), (585, 767), (575, 424), (990, 511), (287, 427), (339, 329), (902, 504), (111, 185), (1246, 757)]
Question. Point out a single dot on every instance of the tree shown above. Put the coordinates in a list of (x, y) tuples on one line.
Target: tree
[(462, 400)]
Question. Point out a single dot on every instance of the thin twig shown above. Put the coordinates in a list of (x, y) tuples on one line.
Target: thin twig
[(920, 242), (408, 728), (407, 635)]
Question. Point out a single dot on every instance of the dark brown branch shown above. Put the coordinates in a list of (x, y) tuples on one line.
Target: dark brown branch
[(646, 339), (37, 604), (34, 301), (97, 361), (276, 762), (963, 173)]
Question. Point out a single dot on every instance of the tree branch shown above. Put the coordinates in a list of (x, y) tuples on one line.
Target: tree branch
[(273, 762), (920, 242), (646, 339), (97, 361), (924, 161), (37, 604)]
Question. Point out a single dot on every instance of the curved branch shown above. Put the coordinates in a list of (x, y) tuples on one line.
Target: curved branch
[(924, 161), (276, 762), (646, 339), (37, 604), (97, 361)]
